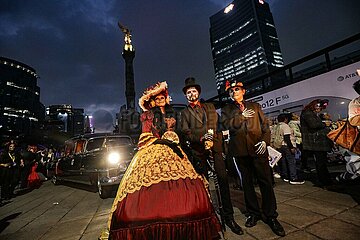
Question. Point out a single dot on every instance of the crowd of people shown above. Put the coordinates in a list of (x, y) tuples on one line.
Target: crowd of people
[(164, 193), (23, 169)]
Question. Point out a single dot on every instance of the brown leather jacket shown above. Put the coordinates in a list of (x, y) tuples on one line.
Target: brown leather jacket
[(245, 132)]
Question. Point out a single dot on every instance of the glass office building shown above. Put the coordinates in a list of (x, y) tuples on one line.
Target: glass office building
[(245, 45), (21, 111), (63, 118)]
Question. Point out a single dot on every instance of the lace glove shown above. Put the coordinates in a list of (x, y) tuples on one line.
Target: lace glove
[(248, 113), (261, 147)]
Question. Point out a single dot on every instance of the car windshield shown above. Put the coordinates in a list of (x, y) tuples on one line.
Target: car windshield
[(94, 144), (117, 141)]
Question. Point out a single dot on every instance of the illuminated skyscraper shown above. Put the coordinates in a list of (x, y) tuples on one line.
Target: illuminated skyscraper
[(21, 111), (63, 118), (245, 45)]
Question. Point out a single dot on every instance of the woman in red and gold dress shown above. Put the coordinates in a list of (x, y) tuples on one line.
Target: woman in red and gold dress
[(161, 196)]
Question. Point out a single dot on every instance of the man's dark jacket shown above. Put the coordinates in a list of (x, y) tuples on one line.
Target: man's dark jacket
[(245, 132), (193, 127)]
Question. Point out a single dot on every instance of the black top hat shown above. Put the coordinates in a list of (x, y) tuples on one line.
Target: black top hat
[(190, 82)]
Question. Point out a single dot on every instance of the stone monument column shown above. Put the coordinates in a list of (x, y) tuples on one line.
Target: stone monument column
[(128, 117)]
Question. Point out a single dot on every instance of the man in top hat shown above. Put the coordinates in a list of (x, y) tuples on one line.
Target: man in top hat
[(196, 120), (249, 136)]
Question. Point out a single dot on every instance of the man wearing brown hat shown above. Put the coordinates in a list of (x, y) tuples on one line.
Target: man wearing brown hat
[(249, 135), (196, 120)]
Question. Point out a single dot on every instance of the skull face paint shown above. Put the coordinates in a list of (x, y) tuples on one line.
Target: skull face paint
[(192, 94)]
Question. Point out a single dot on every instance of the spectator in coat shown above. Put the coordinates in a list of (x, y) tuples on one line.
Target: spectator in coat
[(314, 138), (294, 124), (287, 149), (10, 164)]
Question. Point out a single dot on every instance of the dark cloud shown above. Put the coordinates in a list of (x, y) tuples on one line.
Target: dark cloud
[(75, 46), (103, 120), (308, 26)]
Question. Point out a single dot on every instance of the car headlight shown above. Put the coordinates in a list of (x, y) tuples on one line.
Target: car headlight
[(114, 158)]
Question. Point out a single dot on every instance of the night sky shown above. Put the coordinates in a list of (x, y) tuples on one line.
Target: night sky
[(75, 46)]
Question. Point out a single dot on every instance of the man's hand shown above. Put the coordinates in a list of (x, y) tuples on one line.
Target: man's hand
[(207, 137), (261, 147), (248, 113)]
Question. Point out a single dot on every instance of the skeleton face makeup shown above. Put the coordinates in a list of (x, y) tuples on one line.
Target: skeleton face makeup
[(237, 94), (160, 100), (192, 94)]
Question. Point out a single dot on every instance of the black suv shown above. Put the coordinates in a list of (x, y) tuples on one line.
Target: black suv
[(96, 159)]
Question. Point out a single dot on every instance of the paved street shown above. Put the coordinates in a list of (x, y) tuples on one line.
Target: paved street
[(54, 212), (69, 213)]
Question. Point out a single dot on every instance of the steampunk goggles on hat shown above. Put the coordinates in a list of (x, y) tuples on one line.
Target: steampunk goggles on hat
[(229, 85)]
